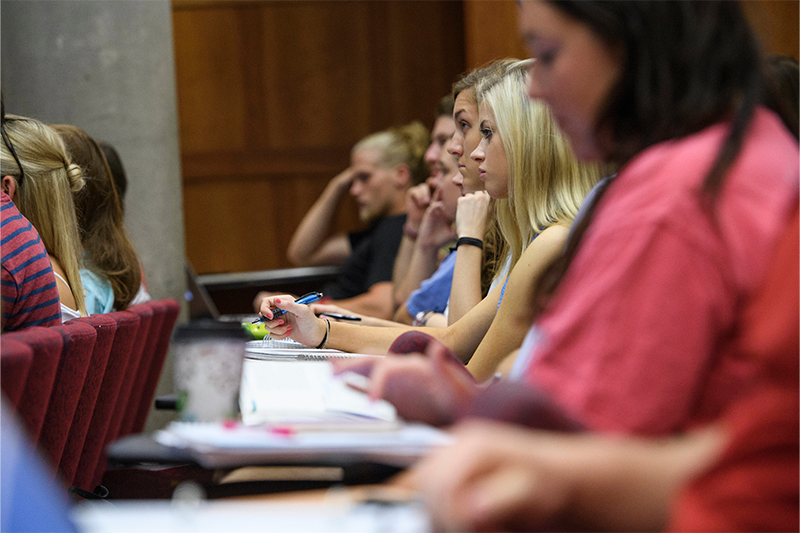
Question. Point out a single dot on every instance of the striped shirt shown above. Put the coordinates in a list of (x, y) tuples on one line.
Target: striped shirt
[(29, 291)]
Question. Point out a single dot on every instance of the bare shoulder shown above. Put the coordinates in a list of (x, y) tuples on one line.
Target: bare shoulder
[(552, 238)]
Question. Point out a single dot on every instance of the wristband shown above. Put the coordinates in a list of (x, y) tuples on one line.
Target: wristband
[(421, 318), (410, 232), (327, 332), (471, 241)]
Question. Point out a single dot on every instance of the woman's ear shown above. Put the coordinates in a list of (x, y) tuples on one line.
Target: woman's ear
[(9, 186)]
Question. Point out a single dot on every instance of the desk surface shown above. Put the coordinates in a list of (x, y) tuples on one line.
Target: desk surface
[(260, 278)]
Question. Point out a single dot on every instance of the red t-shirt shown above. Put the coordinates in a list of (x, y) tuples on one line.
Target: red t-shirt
[(755, 485), (638, 336)]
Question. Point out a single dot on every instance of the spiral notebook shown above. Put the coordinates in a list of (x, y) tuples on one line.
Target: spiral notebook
[(287, 349)]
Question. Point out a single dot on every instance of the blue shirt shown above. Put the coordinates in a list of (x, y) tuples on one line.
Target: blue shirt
[(99, 294), (434, 293), (31, 499)]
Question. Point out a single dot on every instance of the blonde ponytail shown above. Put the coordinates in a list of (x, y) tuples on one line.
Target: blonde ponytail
[(75, 177)]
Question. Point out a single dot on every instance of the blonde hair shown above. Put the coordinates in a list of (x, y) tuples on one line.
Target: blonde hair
[(546, 184), (405, 145), (44, 196), (494, 243)]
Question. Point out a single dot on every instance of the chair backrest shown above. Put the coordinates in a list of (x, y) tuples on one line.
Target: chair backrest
[(46, 344), (121, 406), (169, 309), (127, 326), (143, 371), (105, 329), (79, 339), (15, 363)]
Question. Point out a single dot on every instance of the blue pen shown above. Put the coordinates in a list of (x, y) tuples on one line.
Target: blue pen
[(309, 298)]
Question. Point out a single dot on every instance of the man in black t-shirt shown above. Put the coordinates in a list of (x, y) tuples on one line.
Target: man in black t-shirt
[(372, 260), (383, 166)]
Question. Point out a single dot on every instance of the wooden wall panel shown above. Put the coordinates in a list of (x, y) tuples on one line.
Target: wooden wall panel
[(776, 23), (272, 95), (490, 31)]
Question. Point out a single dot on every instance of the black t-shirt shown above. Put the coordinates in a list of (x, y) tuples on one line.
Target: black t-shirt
[(372, 260)]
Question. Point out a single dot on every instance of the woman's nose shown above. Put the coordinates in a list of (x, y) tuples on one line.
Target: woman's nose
[(454, 147)]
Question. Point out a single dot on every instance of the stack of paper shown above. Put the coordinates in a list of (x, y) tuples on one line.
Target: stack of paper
[(278, 391), (224, 445)]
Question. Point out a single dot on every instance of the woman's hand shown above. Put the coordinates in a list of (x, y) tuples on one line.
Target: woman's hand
[(473, 214), (299, 321), (436, 228), (428, 388), (418, 198)]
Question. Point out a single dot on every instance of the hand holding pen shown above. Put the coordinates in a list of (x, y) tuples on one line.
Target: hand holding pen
[(306, 299), (295, 319)]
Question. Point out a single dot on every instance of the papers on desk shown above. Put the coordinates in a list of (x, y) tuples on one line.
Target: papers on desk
[(280, 344), (288, 391), (226, 446), (298, 411), (281, 349), (244, 517)]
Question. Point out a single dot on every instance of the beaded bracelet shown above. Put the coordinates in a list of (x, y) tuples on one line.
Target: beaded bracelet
[(472, 241), (327, 332)]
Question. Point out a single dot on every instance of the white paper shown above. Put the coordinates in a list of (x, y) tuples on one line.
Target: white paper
[(245, 517), (274, 390)]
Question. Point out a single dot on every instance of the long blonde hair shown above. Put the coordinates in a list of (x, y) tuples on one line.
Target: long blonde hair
[(405, 145), (44, 196), (546, 184), (494, 243)]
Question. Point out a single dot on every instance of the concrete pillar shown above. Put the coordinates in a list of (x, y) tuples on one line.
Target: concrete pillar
[(108, 67)]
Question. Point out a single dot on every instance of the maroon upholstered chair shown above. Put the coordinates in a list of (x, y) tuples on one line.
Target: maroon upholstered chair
[(15, 362), (105, 328), (148, 352), (46, 344), (169, 309), (121, 406), (79, 339), (127, 326)]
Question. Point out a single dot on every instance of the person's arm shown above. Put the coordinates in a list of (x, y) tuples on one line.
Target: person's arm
[(434, 231), (462, 338), (472, 219), (418, 198), (514, 315), (376, 302), (363, 320), (503, 478), (401, 316), (431, 297), (311, 244)]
